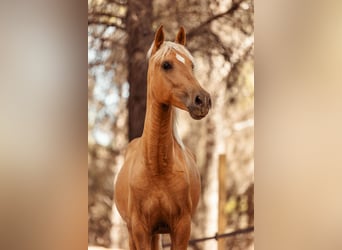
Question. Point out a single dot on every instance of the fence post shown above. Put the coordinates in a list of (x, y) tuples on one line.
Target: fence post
[(222, 199)]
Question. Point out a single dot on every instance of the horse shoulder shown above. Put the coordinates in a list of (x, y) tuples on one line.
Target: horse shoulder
[(121, 189)]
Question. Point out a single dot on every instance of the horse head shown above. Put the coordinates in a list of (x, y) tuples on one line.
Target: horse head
[(171, 79)]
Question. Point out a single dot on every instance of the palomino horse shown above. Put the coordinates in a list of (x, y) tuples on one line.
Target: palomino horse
[(158, 187)]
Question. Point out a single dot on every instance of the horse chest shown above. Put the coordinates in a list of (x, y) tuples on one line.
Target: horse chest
[(162, 196)]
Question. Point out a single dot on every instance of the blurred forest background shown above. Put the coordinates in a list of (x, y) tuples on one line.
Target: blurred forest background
[(220, 36)]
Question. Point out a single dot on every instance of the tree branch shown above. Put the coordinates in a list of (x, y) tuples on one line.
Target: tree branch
[(104, 14), (98, 21), (193, 32), (118, 2)]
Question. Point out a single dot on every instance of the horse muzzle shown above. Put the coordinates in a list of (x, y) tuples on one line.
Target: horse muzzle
[(200, 105)]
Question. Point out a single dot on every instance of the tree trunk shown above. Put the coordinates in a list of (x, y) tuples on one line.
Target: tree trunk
[(140, 37)]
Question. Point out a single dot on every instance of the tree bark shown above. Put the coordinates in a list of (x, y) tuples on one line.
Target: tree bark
[(140, 37)]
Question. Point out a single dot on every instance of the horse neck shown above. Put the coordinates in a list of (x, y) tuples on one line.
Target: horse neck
[(158, 137)]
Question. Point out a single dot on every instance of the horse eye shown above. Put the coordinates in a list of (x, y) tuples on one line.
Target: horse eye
[(166, 65)]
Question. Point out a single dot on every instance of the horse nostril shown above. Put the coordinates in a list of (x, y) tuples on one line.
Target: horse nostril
[(209, 102), (198, 101)]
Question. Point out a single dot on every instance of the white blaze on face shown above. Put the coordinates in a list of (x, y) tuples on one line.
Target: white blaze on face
[(180, 58)]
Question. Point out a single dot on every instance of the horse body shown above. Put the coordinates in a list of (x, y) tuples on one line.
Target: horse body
[(158, 187)]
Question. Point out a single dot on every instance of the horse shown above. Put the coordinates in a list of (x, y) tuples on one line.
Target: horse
[(158, 187)]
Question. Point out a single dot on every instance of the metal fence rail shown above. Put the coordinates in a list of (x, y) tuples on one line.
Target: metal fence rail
[(218, 236)]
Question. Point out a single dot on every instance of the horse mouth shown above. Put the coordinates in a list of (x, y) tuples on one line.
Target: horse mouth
[(198, 114), (197, 117)]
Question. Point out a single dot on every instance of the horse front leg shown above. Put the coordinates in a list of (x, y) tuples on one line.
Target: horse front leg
[(140, 235), (130, 239), (180, 235), (156, 243)]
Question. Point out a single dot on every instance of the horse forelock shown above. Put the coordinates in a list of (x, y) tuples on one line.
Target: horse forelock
[(165, 48)]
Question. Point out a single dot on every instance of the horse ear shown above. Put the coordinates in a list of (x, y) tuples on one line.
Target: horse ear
[(158, 38), (181, 37)]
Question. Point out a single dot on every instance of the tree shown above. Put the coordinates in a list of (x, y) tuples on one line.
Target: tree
[(140, 35)]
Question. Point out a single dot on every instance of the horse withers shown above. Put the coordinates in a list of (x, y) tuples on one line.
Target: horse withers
[(157, 189)]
